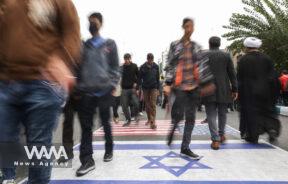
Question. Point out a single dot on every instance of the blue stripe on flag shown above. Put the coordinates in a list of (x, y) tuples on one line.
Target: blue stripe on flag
[(178, 146), (162, 182)]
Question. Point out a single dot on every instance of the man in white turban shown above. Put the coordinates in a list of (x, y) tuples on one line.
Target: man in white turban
[(257, 93), (252, 42)]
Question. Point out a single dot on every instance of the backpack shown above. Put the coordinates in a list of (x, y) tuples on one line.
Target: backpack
[(93, 73)]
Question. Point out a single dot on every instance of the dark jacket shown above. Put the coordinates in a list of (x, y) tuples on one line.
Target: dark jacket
[(149, 76), (221, 66), (130, 76), (100, 68)]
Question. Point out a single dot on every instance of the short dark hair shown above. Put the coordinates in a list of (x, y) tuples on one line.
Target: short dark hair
[(97, 15), (285, 72), (150, 56), (187, 19), (127, 56), (214, 41)]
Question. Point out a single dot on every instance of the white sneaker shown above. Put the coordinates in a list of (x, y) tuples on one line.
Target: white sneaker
[(9, 182), (141, 113)]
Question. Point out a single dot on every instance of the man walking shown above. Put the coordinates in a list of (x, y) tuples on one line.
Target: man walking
[(221, 66), (129, 85), (149, 82), (258, 93), (182, 77), (104, 52), (39, 39)]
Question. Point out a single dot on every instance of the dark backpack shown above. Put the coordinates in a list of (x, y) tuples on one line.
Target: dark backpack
[(93, 73)]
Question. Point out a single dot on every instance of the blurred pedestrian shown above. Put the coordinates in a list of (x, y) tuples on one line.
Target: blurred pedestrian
[(101, 54), (40, 40)]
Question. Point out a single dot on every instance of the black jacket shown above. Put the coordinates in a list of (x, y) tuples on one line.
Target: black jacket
[(149, 76), (221, 66), (129, 76)]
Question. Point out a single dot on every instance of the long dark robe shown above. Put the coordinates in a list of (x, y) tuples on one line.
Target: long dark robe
[(258, 92)]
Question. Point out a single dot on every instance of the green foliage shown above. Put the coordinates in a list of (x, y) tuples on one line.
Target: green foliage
[(267, 20)]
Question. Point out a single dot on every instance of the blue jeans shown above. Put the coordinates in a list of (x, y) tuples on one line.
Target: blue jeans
[(37, 105)]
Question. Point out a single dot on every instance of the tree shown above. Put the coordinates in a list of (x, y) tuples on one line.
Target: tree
[(266, 20)]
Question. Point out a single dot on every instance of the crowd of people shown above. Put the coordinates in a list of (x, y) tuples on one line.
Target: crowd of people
[(44, 63)]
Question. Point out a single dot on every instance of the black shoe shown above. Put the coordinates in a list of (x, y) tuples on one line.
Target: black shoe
[(85, 168), (127, 123), (137, 118), (251, 140), (108, 157), (62, 159), (189, 153), (273, 137)]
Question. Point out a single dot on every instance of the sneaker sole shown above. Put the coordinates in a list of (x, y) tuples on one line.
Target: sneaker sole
[(108, 160), (82, 173), (193, 158)]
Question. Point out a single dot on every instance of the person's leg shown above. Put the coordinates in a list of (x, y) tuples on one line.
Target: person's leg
[(86, 114), (211, 114), (147, 102), (67, 136), (222, 119), (125, 99), (104, 112), (153, 99), (285, 98), (177, 114), (42, 107), (10, 115), (135, 104), (190, 102)]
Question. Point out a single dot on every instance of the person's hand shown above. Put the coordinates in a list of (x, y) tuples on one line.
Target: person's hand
[(57, 71), (137, 92), (234, 96), (167, 90), (113, 92)]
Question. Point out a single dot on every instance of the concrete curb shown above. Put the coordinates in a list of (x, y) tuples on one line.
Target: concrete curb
[(282, 110)]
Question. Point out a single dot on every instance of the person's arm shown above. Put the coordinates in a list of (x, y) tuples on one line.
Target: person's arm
[(114, 70), (170, 70), (68, 51), (140, 78), (232, 74), (137, 75), (69, 27), (158, 78)]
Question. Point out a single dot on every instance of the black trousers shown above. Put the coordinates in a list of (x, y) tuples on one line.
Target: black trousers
[(67, 133), (86, 112)]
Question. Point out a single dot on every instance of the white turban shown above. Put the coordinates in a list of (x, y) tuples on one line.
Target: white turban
[(252, 42)]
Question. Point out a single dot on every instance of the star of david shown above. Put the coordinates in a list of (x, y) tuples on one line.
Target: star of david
[(155, 163)]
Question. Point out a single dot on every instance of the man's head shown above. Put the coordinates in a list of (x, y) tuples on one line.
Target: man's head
[(284, 72), (127, 58), (150, 58), (188, 26), (95, 23), (252, 43), (214, 42)]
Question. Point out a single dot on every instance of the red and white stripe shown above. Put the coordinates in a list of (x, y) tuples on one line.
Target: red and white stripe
[(163, 127)]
